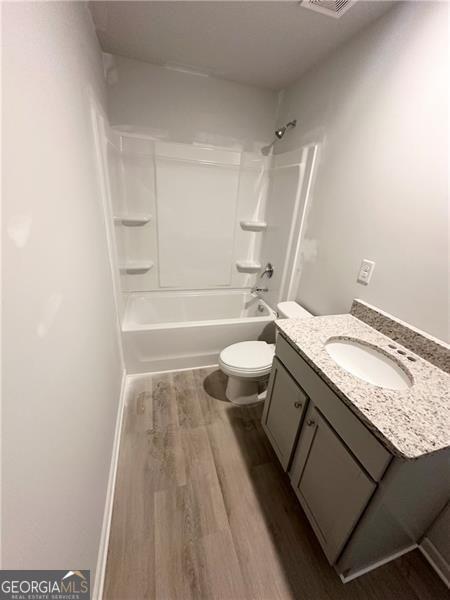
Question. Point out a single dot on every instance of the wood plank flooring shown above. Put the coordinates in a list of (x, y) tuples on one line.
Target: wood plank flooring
[(203, 510)]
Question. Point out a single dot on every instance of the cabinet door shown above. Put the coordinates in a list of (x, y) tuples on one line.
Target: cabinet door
[(331, 486), (283, 412)]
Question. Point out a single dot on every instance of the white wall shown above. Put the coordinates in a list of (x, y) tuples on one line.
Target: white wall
[(378, 106), (62, 370), (188, 108)]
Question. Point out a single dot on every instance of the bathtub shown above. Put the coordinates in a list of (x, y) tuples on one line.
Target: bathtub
[(176, 330)]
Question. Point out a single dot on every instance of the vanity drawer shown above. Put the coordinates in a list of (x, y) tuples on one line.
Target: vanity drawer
[(369, 451)]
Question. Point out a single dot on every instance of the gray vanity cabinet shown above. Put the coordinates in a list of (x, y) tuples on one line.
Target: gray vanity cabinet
[(330, 485), (364, 504), (283, 410)]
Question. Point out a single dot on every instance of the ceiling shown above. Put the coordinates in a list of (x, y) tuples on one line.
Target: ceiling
[(268, 44)]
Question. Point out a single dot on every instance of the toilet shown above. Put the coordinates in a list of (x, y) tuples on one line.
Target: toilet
[(248, 364)]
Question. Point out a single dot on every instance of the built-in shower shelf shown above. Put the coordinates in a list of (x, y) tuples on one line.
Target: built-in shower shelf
[(248, 266), (136, 267), (132, 220), (253, 225)]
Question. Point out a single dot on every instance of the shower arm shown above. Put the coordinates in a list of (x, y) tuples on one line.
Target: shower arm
[(279, 134)]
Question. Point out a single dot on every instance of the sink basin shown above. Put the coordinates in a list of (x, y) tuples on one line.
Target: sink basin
[(368, 363)]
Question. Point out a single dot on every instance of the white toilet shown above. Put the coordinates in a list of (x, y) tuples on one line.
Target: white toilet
[(248, 364)]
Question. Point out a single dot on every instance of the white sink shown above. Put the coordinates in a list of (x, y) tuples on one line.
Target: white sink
[(368, 363)]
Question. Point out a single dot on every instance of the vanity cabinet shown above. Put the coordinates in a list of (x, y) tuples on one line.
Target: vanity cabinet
[(331, 486), (283, 411), (365, 505)]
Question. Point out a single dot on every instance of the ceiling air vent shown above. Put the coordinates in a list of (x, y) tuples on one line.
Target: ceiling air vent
[(332, 8)]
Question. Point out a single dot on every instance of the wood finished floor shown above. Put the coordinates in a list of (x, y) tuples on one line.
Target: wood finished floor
[(202, 509)]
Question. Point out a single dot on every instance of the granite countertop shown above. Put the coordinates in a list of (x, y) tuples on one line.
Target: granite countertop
[(411, 422)]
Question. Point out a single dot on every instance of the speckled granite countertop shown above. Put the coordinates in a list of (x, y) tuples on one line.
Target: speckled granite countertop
[(411, 422)]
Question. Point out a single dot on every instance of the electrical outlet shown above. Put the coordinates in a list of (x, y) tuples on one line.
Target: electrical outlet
[(365, 271)]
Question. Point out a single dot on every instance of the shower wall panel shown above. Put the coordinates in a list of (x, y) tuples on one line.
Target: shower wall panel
[(195, 198), (196, 203)]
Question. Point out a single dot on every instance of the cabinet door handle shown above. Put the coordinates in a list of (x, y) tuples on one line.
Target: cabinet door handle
[(298, 404), (310, 422)]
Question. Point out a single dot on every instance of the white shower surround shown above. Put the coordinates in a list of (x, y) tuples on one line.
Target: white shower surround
[(192, 302), (193, 199), (176, 330)]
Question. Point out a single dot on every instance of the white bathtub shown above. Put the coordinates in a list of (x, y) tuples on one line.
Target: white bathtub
[(177, 330)]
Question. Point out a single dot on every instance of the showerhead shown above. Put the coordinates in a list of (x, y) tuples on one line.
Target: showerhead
[(279, 133)]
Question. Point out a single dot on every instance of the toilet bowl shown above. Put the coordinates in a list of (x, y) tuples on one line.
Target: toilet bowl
[(248, 364)]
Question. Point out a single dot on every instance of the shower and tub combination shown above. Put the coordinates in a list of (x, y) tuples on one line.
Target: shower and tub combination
[(192, 227)]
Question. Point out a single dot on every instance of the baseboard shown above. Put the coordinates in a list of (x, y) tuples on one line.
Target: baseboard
[(435, 559), (375, 565), (97, 592)]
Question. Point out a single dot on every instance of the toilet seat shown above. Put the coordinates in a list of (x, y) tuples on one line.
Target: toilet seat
[(247, 359)]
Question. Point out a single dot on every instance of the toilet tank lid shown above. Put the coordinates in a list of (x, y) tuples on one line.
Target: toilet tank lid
[(292, 310)]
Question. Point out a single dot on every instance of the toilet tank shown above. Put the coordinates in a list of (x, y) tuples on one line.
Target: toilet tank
[(292, 310)]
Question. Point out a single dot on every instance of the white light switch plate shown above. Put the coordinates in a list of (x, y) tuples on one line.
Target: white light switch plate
[(365, 271)]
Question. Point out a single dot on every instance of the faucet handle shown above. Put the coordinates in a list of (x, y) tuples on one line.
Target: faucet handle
[(268, 270)]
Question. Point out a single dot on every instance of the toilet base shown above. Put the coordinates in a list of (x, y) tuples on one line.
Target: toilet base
[(242, 391)]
